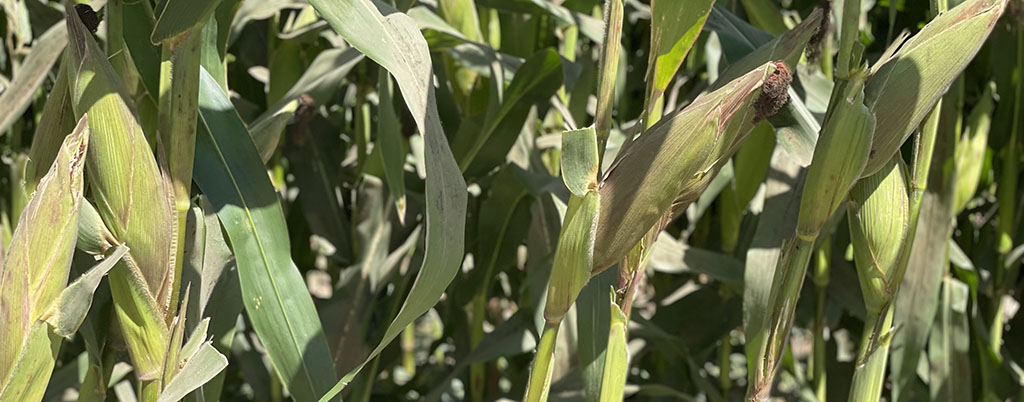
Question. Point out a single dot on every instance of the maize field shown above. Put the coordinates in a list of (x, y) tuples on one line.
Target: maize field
[(511, 200)]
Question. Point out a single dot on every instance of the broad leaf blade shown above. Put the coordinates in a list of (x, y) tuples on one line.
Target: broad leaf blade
[(394, 42), (273, 291)]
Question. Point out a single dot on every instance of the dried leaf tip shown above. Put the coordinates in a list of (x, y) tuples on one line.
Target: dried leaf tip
[(307, 106), (774, 92), (88, 16), (814, 45)]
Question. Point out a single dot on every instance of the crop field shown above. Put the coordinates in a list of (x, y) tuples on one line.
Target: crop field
[(511, 200)]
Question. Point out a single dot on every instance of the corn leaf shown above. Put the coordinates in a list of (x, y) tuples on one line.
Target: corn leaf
[(580, 160), (616, 362), (479, 150), (903, 88), (674, 27), (776, 223), (274, 293), (55, 123), (138, 25), (197, 370), (266, 130), (18, 95), (592, 317), (389, 136), (67, 313), (393, 42), (176, 17)]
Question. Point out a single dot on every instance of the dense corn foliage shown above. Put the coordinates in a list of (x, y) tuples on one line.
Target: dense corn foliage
[(540, 200)]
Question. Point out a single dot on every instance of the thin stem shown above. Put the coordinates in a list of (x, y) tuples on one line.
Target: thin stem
[(869, 375), (725, 365), (540, 377), (849, 35), (1006, 195), (149, 391), (821, 279), (607, 72), (792, 268)]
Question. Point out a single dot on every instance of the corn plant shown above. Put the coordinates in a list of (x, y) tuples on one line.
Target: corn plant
[(480, 200)]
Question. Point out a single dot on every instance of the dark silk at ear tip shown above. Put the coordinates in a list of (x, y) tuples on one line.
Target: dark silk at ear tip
[(88, 17), (774, 92)]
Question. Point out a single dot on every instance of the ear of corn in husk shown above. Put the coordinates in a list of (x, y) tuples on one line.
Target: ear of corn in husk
[(132, 199), (879, 214), (674, 161), (840, 155), (35, 271), (879, 218)]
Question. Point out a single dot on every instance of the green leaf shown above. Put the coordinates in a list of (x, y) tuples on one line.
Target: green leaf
[(197, 370), (55, 123), (320, 81), (266, 129), (574, 256), (674, 27), (616, 362), (479, 150), (138, 25), (591, 319), (949, 345), (273, 291), (765, 15), (31, 73), (904, 87), (176, 17), (389, 139), (68, 312), (580, 160), (394, 42), (675, 257)]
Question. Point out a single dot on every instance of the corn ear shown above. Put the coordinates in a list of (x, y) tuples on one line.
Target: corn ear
[(131, 197), (673, 161), (879, 212), (970, 152), (840, 155), (904, 86), (128, 189), (35, 270), (879, 217)]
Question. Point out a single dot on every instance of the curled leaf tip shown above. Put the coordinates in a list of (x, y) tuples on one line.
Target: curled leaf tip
[(774, 92), (88, 16)]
